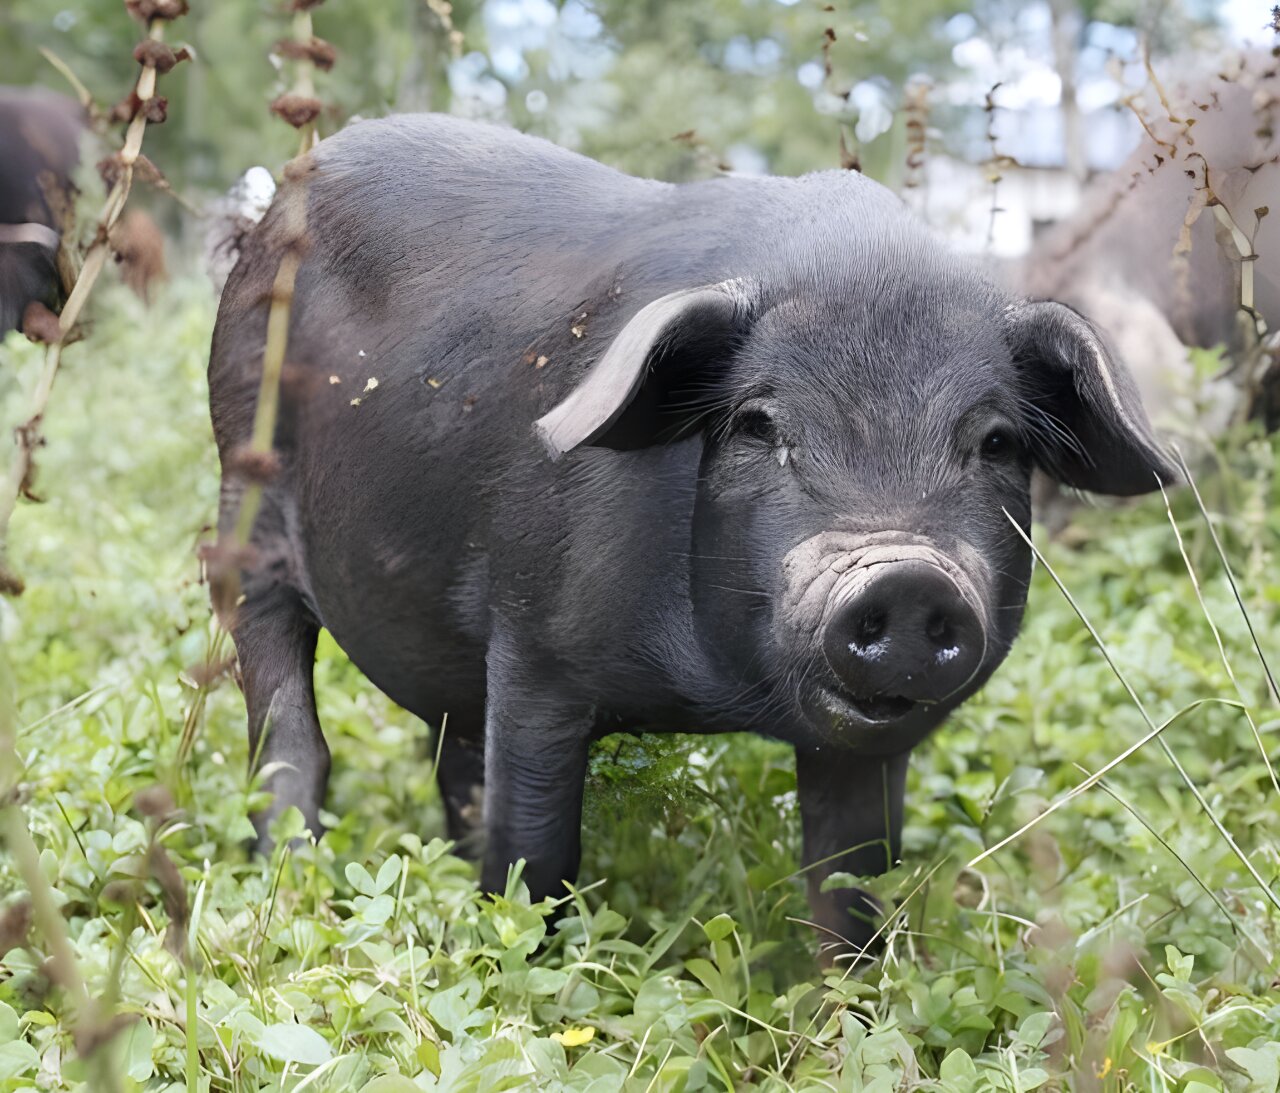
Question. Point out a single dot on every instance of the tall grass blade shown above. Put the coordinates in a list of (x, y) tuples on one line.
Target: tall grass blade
[(1231, 577), (1142, 709), (1217, 637)]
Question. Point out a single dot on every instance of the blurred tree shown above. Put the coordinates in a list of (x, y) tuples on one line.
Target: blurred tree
[(388, 52), (761, 84), (667, 88)]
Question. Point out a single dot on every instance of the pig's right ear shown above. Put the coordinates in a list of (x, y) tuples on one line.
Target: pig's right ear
[(645, 388)]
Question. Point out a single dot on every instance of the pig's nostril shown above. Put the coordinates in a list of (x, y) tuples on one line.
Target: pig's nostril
[(907, 635), (868, 629), (940, 631)]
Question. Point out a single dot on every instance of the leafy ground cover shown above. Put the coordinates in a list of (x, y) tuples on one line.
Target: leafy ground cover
[(1121, 943)]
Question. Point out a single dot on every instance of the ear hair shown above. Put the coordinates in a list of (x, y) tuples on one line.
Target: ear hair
[(613, 381)]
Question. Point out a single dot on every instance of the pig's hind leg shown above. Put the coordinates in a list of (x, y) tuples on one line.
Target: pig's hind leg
[(460, 776), (276, 645)]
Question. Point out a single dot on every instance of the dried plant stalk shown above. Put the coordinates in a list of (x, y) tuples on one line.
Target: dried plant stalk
[(28, 435), (299, 108), (996, 163), (916, 112), (93, 1021), (268, 409)]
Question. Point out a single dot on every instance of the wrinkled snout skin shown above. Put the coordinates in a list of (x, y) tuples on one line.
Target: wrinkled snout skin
[(738, 455), (889, 616)]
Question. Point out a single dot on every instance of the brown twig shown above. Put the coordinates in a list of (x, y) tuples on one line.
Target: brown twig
[(299, 106), (258, 459), (996, 163), (28, 436), (93, 1022)]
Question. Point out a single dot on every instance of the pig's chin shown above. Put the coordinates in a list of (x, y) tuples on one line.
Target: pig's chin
[(877, 711)]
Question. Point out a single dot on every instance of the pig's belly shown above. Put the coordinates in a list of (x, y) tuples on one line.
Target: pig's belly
[(403, 600)]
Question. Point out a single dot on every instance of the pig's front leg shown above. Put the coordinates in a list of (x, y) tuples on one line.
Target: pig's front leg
[(536, 747), (851, 811)]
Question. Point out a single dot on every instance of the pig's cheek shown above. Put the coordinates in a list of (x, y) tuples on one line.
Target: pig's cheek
[(974, 567), (975, 582)]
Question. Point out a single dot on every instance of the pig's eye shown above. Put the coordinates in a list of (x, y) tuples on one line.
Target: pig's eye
[(756, 424), (999, 444)]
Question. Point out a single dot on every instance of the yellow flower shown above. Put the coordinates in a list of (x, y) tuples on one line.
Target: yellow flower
[(1105, 1069), (574, 1037)]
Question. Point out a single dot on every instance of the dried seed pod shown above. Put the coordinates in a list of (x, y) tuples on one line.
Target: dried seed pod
[(156, 109), (138, 244), (298, 168), (15, 924), (123, 892), (146, 10), (319, 52), (147, 171), (155, 802), (126, 108), (207, 673), (110, 168), (297, 110), (226, 556), (156, 54), (160, 56), (223, 561), (29, 438), (253, 465), (10, 583)]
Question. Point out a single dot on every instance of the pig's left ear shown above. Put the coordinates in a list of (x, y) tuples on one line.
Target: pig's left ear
[(1085, 416), (648, 385)]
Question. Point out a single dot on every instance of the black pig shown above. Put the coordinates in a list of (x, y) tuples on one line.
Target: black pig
[(39, 148), (728, 455)]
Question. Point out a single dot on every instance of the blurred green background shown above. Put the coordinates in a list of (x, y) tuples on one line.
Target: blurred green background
[(760, 83), (1121, 945)]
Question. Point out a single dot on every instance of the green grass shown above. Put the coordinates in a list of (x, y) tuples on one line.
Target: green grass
[(1119, 944)]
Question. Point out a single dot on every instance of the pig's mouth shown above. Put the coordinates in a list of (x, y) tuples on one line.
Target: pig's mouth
[(875, 710)]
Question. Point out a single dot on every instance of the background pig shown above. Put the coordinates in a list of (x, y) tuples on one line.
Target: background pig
[(729, 455), (1147, 257), (39, 148)]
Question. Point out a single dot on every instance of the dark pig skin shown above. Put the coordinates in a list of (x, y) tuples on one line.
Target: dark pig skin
[(730, 455), (39, 149)]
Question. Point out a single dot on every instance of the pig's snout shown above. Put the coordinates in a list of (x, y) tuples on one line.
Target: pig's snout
[(901, 633)]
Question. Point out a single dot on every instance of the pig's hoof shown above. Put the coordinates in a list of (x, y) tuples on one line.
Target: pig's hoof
[(262, 844), (849, 929)]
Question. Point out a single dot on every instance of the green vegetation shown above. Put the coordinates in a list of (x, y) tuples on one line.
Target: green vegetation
[(617, 79), (1120, 944), (1128, 940)]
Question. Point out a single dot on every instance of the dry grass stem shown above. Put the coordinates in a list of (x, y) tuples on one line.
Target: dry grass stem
[(1142, 709), (28, 436), (93, 1021)]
